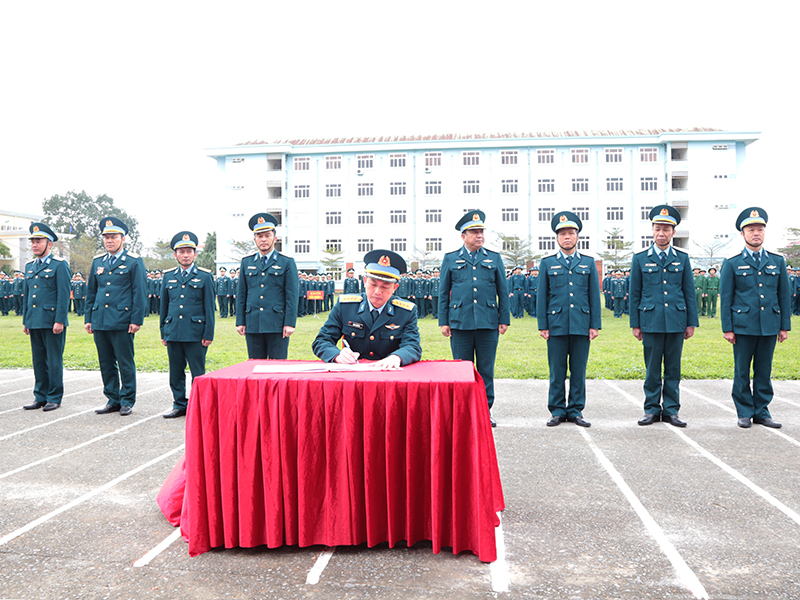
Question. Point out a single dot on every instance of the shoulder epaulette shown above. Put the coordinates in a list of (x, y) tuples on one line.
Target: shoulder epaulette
[(249, 256), (99, 255), (57, 258), (172, 269), (403, 304), (132, 255), (680, 250), (203, 269), (350, 298)]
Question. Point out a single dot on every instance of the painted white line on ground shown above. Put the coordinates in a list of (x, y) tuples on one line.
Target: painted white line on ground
[(82, 445), (30, 389), (168, 541), (782, 399), (83, 412), (319, 566), (499, 568), (685, 574), (724, 406), (791, 440), (88, 496)]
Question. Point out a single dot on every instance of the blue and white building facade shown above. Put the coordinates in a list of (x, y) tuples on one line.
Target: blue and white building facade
[(406, 193)]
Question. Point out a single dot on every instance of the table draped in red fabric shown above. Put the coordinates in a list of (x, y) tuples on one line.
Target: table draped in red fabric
[(338, 459)]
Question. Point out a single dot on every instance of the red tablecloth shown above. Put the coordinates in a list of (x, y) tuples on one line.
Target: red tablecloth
[(338, 459)]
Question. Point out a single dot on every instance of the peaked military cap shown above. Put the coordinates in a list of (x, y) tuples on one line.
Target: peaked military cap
[(565, 219), (384, 265), (473, 219), (40, 230), (112, 225), (184, 239), (665, 214), (262, 222), (750, 216)]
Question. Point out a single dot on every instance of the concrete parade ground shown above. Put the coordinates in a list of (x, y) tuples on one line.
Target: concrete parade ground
[(613, 511)]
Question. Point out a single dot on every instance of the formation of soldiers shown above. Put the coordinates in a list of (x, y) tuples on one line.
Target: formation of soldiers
[(11, 293)]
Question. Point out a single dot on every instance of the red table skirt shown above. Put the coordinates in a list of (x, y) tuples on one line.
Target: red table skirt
[(338, 459)]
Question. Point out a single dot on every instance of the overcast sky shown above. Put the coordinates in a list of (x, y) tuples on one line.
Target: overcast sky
[(123, 98)]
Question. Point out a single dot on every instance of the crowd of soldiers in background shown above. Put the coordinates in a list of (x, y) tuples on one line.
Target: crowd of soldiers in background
[(420, 287)]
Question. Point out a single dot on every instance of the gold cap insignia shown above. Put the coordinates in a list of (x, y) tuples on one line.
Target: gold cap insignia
[(185, 237), (35, 228), (476, 217), (754, 213), (109, 223), (563, 218), (260, 219), (384, 261), (664, 212)]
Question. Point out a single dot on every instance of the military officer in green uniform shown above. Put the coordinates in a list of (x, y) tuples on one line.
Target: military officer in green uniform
[(116, 303), (473, 300), (266, 299), (568, 313), (702, 308), (350, 283), (18, 286), (79, 294), (755, 312), (516, 292), (374, 325), (619, 293), (223, 289), (434, 293), (698, 289), (186, 318), (712, 292), (663, 315), (44, 319)]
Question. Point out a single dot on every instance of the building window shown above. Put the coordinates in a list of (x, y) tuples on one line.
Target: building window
[(509, 157), (547, 186), (365, 245), (646, 213), (471, 159), (580, 185), (584, 243), (613, 155), (301, 191), (333, 245), (721, 236), (546, 214), (649, 184), (237, 188), (511, 245), (365, 217), (236, 161), (433, 187), (433, 159), (364, 161), (433, 215), (397, 244), (721, 207), (397, 160), (302, 164), (397, 188), (333, 162), (333, 190), (580, 155), (472, 187), (615, 213), (545, 157), (397, 216), (613, 184), (510, 214), (302, 246), (720, 176), (433, 244), (582, 212), (647, 241), (648, 154), (333, 218), (547, 243), (365, 189), (510, 186)]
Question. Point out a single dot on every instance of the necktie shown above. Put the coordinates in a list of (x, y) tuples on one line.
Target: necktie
[(112, 261), (569, 261), (375, 314), (662, 255), (757, 256), (38, 262)]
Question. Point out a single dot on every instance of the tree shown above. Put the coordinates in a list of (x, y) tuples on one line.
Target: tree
[(332, 261), (618, 251), (5, 251), (207, 259), (792, 250), (241, 248), (516, 252), (159, 256), (709, 251), (79, 252)]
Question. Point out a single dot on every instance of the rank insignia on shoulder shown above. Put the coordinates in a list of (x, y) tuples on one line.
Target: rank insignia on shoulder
[(132, 255), (350, 298), (392, 326), (403, 304), (202, 269)]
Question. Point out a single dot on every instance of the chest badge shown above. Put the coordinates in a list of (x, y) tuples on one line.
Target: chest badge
[(392, 326), (100, 270)]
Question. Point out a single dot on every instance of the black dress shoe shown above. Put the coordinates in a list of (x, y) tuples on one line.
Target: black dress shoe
[(768, 422), (673, 420), (180, 412), (108, 408), (579, 421), (124, 411), (743, 422), (33, 406), (491, 420), (50, 406), (649, 419), (555, 421)]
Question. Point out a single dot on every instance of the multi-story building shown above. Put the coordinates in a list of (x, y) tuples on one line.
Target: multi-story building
[(14, 233), (406, 193)]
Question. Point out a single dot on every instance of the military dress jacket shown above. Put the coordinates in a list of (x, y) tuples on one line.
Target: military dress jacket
[(266, 298), (17, 286), (223, 286), (473, 293), (662, 297), (187, 305), (351, 286), (618, 288), (45, 294), (393, 332), (755, 299), (116, 296), (79, 290), (568, 301)]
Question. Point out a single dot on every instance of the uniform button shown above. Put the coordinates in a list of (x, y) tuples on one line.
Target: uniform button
[(180, 306), (570, 281), (474, 289), (180, 317), (371, 353), (391, 337), (35, 296), (762, 295), (261, 308), (571, 305), (665, 304), (759, 272), (108, 283), (570, 294), (760, 285), (183, 287), (107, 294), (665, 281), (353, 334), (762, 308), (182, 296), (106, 305), (473, 268), (665, 270), (475, 301), (262, 285), (372, 338), (665, 293), (34, 306), (474, 279), (261, 297)]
